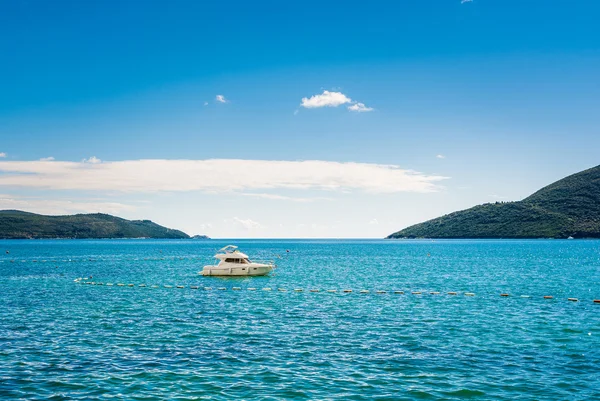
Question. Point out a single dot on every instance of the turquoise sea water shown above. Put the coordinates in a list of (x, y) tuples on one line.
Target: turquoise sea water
[(63, 340)]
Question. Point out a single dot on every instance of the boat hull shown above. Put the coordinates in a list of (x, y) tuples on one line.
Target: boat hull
[(240, 270)]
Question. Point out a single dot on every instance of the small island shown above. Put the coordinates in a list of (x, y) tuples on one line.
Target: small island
[(568, 208), (16, 224)]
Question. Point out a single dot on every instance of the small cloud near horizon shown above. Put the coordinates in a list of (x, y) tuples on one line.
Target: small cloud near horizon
[(91, 160), (47, 159), (221, 99), (247, 224), (441, 156), (2, 155)]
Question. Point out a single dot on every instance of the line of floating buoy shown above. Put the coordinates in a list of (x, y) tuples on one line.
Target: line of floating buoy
[(313, 290)]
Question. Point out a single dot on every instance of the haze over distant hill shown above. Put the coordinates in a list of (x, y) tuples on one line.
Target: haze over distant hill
[(567, 208), (15, 224)]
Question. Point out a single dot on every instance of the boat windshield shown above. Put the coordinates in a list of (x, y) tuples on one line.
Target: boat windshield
[(238, 260)]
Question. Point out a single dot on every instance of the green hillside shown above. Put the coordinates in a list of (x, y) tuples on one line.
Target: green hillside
[(567, 208), (16, 224)]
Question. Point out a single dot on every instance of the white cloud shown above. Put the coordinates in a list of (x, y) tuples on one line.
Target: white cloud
[(92, 160), (326, 99), (465, 1), (332, 99), (374, 222), (441, 156), (221, 99), (2, 154), (206, 103), (61, 206), (359, 107), (214, 175), (246, 224), (47, 159)]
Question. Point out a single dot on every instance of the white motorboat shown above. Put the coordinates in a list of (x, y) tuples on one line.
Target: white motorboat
[(232, 262)]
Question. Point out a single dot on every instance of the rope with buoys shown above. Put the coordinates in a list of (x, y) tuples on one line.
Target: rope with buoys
[(299, 290)]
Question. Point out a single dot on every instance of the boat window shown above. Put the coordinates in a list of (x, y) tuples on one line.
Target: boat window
[(229, 260)]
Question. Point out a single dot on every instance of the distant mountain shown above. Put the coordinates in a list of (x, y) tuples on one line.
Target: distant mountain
[(568, 208), (15, 224), (200, 237)]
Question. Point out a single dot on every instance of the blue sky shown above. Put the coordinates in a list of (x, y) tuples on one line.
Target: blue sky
[(487, 100)]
